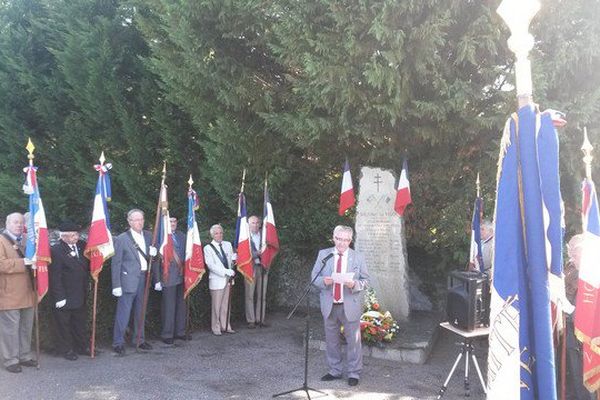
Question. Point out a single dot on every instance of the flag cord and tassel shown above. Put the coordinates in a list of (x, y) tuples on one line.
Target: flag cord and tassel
[(142, 321)]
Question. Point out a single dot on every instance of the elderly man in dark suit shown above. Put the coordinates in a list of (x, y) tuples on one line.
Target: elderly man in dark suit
[(341, 303), (172, 305), (69, 280), (129, 267)]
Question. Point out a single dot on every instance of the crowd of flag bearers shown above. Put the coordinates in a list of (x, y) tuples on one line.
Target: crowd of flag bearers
[(166, 259)]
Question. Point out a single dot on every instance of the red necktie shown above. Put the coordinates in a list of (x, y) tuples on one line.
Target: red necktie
[(337, 287)]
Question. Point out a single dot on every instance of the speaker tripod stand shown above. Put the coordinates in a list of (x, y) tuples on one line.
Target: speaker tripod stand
[(468, 354)]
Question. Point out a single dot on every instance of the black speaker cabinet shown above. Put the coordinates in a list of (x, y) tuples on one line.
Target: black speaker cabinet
[(468, 305)]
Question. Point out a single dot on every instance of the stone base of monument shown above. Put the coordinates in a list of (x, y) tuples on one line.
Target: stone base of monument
[(412, 345)]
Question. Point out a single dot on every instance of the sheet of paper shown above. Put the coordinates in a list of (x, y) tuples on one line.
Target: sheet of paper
[(342, 277)]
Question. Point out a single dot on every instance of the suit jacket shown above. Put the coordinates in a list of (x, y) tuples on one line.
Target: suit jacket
[(487, 254), (126, 269), (175, 272), (254, 249), (353, 298), (216, 277), (16, 289), (69, 276)]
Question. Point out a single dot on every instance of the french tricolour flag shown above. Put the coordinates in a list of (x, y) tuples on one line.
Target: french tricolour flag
[(244, 252), (100, 246), (38, 243), (587, 318), (269, 239), (403, 194), (347, 198), (194, 257)]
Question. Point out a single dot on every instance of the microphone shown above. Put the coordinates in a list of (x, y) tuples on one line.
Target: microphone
[(327, 258)]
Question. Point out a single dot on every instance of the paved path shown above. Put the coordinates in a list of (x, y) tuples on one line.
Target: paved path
[(252, 364)]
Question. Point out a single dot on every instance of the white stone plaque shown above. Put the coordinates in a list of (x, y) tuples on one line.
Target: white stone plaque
[(380, 237)]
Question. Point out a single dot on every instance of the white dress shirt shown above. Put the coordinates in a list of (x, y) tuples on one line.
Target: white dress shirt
[(141, 242), (344, 269)]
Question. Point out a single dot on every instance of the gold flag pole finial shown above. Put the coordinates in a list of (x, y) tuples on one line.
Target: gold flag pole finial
[(190, 181), (587, 154), (243, 180), (30, 148), (477, 183), (102, 159), (517, 14)]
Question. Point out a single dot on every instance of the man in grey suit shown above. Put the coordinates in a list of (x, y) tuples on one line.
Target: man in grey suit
[(341, 304), (172, 310), (129, 267)]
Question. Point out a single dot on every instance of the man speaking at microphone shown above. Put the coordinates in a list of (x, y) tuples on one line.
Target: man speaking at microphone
[(341, 275)]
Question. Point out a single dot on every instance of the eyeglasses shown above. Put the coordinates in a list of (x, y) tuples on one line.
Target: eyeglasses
[(342, 239)]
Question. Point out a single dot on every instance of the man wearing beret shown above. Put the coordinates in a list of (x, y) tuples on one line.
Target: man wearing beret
[(16, 297), (69, 280)]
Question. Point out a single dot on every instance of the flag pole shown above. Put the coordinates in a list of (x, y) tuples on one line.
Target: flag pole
[(230, 280), (563, 360), (150, 261), (30, 148), (587, 154), (188, 321), (587, 148), (95, 302), (262, 269), (517, 15)]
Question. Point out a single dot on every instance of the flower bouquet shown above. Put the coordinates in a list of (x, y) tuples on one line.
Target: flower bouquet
[(376, 327)]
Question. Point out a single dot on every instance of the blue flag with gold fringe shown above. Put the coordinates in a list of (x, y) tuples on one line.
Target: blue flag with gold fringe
[(528, 247)]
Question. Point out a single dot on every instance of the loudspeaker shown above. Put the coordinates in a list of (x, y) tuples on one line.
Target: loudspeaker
[(467, 306)]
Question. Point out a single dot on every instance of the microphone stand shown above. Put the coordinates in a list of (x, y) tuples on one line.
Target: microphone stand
[(305, 388)]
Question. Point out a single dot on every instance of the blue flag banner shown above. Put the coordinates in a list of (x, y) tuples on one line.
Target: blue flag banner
[(528, 247)]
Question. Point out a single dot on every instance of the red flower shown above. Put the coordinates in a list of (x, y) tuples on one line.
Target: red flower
[(375, 306)]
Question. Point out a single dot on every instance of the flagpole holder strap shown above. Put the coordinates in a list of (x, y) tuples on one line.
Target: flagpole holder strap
[(466, 352)]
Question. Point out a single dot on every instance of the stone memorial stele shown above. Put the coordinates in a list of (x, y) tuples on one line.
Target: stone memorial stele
[(380, 237)]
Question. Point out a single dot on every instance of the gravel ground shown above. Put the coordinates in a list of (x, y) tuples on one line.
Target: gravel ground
[(252, 364)]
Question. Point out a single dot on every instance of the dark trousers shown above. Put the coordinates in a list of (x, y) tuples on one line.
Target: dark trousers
[(124, 306), (71, 330), (172, 312)]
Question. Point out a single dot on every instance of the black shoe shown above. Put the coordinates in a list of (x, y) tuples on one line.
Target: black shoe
[(120, 350), (329, 377), (145, 346), (15, 368), (168, 341), (184, 337), (29, 363), (251, 325), (352, 381), (70, 355), (264, 325)]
